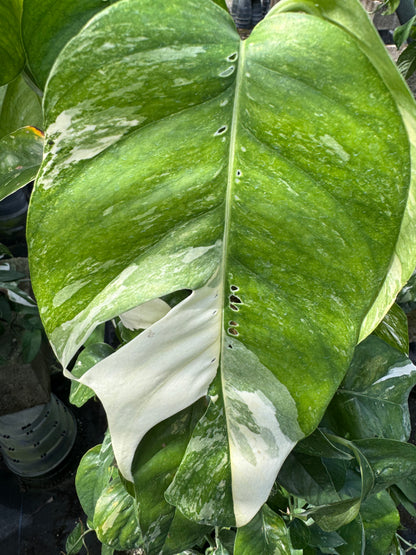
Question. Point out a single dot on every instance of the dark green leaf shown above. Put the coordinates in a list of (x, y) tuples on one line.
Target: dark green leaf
[(401, 33), (307, 477), (92, 354), (266, 534), (372, 400), (327, 542), (31, 343), (392, 461), (406, 63), (381, 521), (354, 538), (11, 51), (299, 534)]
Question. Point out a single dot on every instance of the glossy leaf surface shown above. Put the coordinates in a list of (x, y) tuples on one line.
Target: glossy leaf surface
[(20, 106), (393, 329), (373, 398), (157, 459), (20, 158), (381, 520), (11, 51), (195, 179), (266, 534)]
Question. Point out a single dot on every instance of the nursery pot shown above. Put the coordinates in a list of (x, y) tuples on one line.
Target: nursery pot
[(34, 441)]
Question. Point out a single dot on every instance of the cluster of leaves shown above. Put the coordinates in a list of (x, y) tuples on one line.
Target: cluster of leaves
[(336, 493), (273, 187), (21, 330)]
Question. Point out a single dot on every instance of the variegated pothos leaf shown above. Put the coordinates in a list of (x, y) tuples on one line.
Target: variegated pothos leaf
[(273, 185)]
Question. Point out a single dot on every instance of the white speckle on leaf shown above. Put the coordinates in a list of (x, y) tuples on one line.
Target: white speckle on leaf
[(67, 292), (336, 148)]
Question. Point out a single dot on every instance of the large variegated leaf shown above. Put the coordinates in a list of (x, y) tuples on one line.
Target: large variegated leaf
[(270, 176)]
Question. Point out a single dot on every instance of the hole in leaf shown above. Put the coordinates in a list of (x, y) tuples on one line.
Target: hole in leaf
[(230, 346), (232, 331), (232, 57), (234, 299), (220, 131), (234, 288), (238, 173), (227, 72), (233, 307), (232, 323)]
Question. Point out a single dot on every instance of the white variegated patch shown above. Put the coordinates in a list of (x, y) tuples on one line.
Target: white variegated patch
[(160, 372), (143, 316), (263, 427)]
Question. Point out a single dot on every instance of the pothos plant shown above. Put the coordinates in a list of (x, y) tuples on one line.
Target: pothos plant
[(269, 183)]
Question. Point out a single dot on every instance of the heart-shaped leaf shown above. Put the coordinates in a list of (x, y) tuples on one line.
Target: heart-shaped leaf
[(268, 182)]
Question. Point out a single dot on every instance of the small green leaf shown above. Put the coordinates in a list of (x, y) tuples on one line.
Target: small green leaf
[(325, 541), (402, 33), (20, 158), (92, 354), (266, 533), (20, 107), (406, 63), (381, 521), (11, 50), (332, 517), (74, 541), (93, 475), (390, 6)]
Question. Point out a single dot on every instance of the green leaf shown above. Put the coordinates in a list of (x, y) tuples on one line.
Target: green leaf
[(401, 33), (11, 51), (390, 6), (48, 26), (354, 537), (20, 158), (381, 521), (299, 534), (107, 550), (308, 477), (406, 62), (266, 534), (373, 398), (116, 517), (93, 475), (199, 151), (393, 329), (31, 343), (392, 461), (20, 107), (74, 543), (156, 461), (92, 354)]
